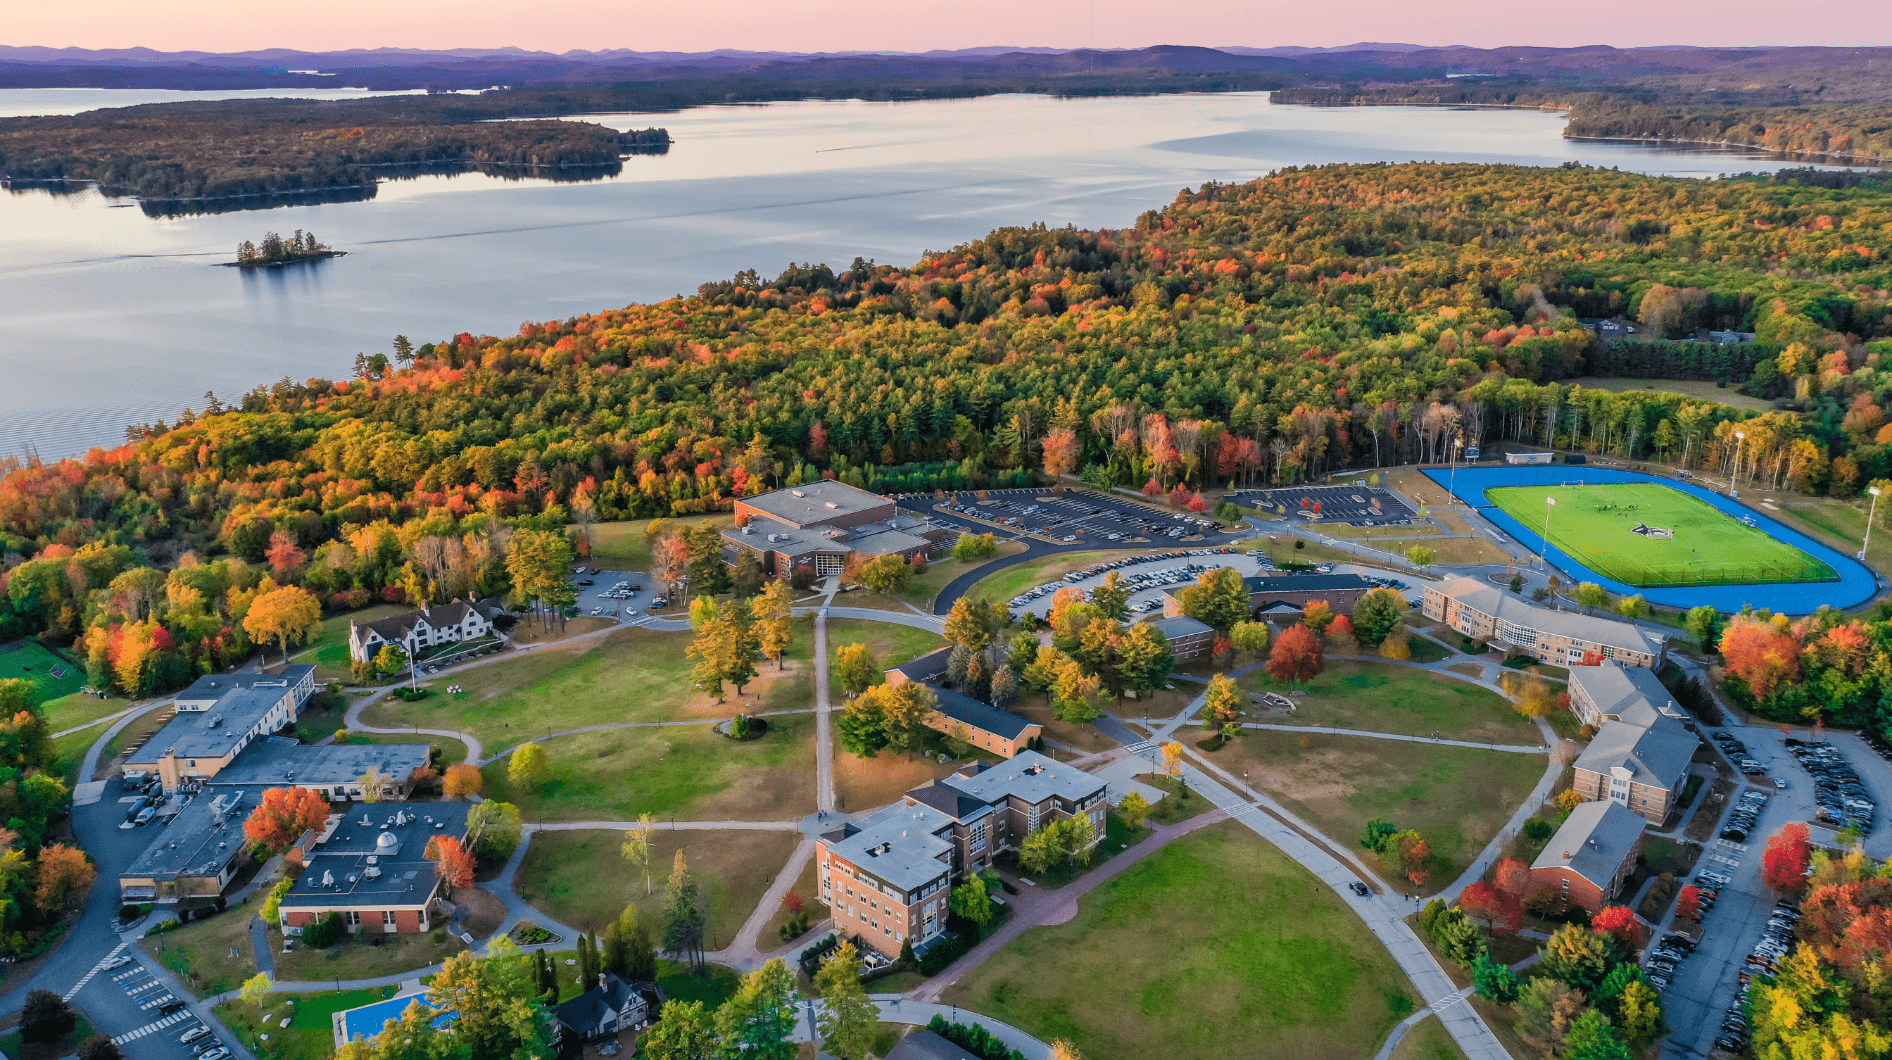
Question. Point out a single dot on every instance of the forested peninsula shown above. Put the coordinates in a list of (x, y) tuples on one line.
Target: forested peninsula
[(229, 148)]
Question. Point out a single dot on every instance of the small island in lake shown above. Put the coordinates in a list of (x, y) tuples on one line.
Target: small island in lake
[(275, 250)]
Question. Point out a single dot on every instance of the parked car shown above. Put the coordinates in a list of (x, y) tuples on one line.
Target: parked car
[(193, 1034)]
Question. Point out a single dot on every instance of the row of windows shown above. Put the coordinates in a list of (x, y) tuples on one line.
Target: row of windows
[(353, 918)]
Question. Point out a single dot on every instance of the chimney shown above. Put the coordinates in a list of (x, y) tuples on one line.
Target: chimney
[(1566, 855)]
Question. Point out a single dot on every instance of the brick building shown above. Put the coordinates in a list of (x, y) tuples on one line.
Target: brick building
[(370, 865), (1561, 638), (1643, 767), (888, 876), (1188, 637), (1611, 691), (980, 724), (1588, 859)]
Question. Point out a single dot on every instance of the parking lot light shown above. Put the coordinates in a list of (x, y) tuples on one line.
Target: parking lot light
[(1870, 512)]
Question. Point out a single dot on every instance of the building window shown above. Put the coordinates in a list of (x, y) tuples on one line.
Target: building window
[(353, 918), (192, 763), (387, 919)]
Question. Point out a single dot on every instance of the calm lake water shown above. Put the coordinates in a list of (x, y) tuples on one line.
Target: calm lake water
[(109, 317)]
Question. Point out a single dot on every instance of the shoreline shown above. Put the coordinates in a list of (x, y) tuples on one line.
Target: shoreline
[(304, 260)]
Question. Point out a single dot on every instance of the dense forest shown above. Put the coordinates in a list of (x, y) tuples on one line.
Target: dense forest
[(1844, 133), (249, 147), (1273, 331)]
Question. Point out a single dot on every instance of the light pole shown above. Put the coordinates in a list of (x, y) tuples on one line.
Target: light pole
[(1734, 481), (1452, 476), (1874, 490), (1543, 550)]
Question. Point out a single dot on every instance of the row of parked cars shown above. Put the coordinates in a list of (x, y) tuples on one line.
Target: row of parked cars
[(204, 1044), (1738, 753), (1777, 940), (1660, 964), (1139, 581), (1746, 811), (1840, 798)]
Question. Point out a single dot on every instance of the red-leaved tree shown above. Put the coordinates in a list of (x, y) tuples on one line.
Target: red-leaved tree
[(1784, 863), (1619, 922), (283, 815), (1501, 912), (1688, 903), (1513, 877), (1296, 656)]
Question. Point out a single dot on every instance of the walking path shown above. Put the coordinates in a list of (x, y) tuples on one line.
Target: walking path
[(1508, 747), (897, 1009)]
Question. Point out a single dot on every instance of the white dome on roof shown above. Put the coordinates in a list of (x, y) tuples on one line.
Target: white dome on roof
[(387, 843)]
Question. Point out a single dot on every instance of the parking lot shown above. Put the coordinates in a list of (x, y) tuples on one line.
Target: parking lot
[(1357, 505), (1073, 518), (1835, 770), (613, 594), (1149, 575)]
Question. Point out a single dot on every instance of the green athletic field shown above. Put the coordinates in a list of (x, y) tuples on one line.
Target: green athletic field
[(1593, 525), (33, 661)]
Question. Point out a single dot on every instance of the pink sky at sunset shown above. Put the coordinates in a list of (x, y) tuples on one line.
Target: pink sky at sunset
[(881, 25)]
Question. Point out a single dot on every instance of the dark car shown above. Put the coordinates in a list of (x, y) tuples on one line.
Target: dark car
[(1359, 888), (172, 1006)]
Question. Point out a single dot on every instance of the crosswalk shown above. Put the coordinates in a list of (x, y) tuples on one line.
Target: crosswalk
[(1452, 999), (96, 969), (153, 1028), (1140, 747)]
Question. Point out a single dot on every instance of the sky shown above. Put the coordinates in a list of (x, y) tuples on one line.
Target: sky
[(903, 25)]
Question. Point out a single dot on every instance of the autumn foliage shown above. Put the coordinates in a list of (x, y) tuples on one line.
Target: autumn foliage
[(284, 814), (1619, 922), (62, 871), (1688, 903), (1785, 861), (454, 861), (1502, 911), (1760, 656), (1297, 656), (463, 781)]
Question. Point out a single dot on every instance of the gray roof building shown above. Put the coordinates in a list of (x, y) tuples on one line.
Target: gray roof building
[(1029, 777), (1621, 693), (281, 762), (202, 843), (1180, 626), (1520, 622), (1656, 754), (206, 691), (373, 858), (925, 1045), (1594, 842), (897, 844), (813, 503), (961, 708), (214, 733), (1306, 583)]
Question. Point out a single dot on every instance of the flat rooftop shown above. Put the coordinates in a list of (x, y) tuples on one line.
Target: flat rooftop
[(279, 762), (211, 733), (1027, 776), (202, 841), (897, 844), (205, 691), (816, 502)]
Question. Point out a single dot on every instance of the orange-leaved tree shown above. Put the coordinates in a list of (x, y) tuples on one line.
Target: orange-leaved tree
[(63, 871), (1760, 656), (1297, 656), (1513, 877), (283, 815), (463, 781), (454, 861), (1502, 912), (1784, 863)]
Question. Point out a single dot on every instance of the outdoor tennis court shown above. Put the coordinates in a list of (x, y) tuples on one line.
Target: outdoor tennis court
[(1646, 534), (33, 661)]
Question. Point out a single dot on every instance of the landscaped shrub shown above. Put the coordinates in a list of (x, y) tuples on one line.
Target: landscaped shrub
[(325, 932), (1538, 828), (974, 1039), (810, 959)]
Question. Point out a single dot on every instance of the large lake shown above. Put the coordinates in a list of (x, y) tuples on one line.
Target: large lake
[(109, 317)]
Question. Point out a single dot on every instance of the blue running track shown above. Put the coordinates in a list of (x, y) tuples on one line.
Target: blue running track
[(1856, 583)]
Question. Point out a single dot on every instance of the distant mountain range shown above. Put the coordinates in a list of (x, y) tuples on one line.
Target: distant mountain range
[(468, 68)]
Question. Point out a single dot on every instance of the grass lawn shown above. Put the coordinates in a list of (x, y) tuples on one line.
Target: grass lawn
[(890, 642), (1217, 946), (1382, 697), (530, 631), (72, 753), (682, 770), (1428, 1040), (30, 660), (199, 952), (712, 988), (14, 1045), (1005, 584), (309, 1036), (809, 888), (69, 712), (1374, 533), (140, 729), (1176, 808), (939, 574), (1415, 487), (1081, 735), (1455, 797), (581, 879), (864, 783), (359, 957), (620, 546), (1838, 523), (631, 675), (452, 752), (328, 652), (1427, 650), (1593, 525), (1461, 551)]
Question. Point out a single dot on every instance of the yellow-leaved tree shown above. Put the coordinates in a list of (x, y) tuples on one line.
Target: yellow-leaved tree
[(283, 615)]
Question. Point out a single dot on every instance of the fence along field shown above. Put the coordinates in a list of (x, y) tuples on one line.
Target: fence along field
[(1645, 534)]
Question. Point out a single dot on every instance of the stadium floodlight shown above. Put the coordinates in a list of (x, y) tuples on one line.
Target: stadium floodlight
[(1863, 545), (1543, 551), (1734, 480)]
